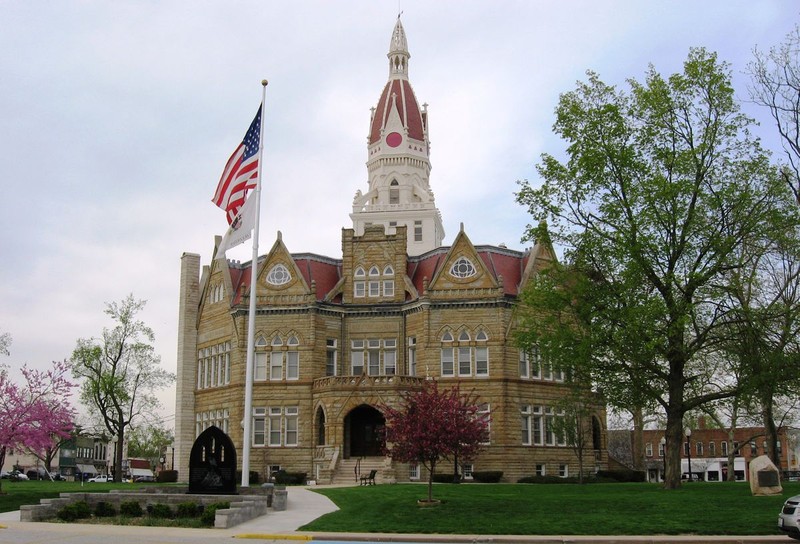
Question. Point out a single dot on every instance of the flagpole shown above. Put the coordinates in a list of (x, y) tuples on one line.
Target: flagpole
[(251, 320)]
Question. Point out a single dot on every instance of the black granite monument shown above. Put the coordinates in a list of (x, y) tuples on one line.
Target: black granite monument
[(212, 464)]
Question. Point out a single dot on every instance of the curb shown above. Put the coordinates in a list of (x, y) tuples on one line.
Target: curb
[(266, 536)]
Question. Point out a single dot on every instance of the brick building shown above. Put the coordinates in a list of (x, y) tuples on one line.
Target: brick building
[(338, 338), (709, 449)]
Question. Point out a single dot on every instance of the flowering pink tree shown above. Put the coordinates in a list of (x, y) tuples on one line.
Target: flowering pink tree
[(430, 425), (33, 413)]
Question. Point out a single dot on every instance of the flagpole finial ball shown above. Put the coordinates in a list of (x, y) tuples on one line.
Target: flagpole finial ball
[(264, 82)]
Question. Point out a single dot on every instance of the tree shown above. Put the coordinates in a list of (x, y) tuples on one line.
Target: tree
[(120, 373), (776, 86), (150, 442), (663, 190), (32, 413), (430, 425)]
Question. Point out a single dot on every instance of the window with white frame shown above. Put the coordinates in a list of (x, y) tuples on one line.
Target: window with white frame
[(378, 355), (214, 366), (699, 449), (260, 366), (553, 438), (412, 355), (359, 284), (388, 281), (447, 349), (357, 357), (648, 449), (219, 418), (292, 359), (540, 470), (525, 414), (465, 356), (330, 357), (259, 426), (466, 471), (712, 449), (417, 231), (481, 354), (290, 420), (563, 470), (413, 471), (723, 448), (374, 282), (275, 426)]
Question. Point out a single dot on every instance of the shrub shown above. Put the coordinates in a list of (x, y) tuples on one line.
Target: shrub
[(76, 510), (487, 476), (188, 510), (159, 510), (105, 509), (443, 478), (167, 476), (290, 478), (622, 475), (254, 479), (131, 508), (549, 480), (210, 512)]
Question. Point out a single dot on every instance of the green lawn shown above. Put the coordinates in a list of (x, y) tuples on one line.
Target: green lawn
[(524, 509), (15, 494), (555, 509)]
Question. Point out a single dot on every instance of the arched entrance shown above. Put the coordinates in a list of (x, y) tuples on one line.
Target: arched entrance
[(363, 428)]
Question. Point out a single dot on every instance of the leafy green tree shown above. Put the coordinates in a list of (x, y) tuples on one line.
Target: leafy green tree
[(662, 190), (776, 86), (120, 373), (149, 441)]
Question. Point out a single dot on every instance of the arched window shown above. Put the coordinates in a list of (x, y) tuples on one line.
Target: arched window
[(277, 341), (359, 273), (388, 270), (447, 337), (481, 336), (261, 341), (394, 192), (463, 337), (374, 271)]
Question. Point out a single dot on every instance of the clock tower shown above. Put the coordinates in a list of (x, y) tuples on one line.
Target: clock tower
[(398, 163)]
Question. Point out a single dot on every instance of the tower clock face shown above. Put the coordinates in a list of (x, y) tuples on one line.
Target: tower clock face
[(393, 139)]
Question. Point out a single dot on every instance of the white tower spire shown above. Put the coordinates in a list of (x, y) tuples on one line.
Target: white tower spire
[(398, 162)]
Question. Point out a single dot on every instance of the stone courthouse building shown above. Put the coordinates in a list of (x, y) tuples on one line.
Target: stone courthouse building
[(337, 339)]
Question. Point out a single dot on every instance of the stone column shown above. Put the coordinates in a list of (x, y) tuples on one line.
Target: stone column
[(188, 306)]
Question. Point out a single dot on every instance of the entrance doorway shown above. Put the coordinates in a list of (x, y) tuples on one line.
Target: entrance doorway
[(364, 426)]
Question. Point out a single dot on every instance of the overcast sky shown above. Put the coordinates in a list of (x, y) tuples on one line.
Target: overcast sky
[(118, 117)]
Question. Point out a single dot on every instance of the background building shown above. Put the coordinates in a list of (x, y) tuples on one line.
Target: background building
[(339, 338)]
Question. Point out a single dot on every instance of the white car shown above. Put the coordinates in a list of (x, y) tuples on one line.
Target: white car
[(99, 479), (789, 518)]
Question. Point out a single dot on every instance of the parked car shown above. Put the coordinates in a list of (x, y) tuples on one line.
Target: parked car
[(100, 479), (789, 518), (17, 476)]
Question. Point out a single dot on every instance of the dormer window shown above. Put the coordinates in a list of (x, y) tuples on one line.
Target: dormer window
[(463, 268), (279, 275)]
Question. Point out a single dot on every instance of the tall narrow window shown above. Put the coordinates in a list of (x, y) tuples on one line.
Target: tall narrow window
[(417, 231), (274, 426), (525, 414), (412, 355), (390, 357), (357, 357), (394, 192), (292, 359), (481, 355), (359, 284), (448, 368), (290, 420), (260, 366), (374, 355), (330, 357), (259, 426)]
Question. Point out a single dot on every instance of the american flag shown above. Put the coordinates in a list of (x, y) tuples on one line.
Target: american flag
[(241, 172)]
